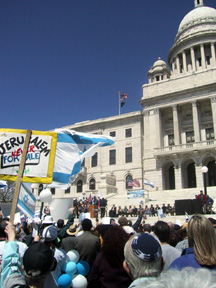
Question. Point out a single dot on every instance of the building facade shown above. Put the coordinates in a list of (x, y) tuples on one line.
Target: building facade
[(173, 137)]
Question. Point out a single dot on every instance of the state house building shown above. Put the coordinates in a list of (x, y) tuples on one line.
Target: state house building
[(173, 136)]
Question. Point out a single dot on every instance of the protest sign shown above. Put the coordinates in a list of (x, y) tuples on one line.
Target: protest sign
[(39, 160)]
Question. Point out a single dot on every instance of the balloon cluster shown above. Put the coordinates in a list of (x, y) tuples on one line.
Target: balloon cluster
[(75, 272)]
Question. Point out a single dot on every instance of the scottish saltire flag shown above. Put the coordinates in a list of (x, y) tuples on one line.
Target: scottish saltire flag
[(71, 149), (26, 201), (148, 182)]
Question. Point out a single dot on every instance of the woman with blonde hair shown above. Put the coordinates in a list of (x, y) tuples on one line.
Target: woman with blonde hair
[(202, 245)]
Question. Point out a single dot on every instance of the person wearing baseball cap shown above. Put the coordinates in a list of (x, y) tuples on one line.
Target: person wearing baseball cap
[(143, 259)]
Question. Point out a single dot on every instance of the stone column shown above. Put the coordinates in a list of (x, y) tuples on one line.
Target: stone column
[(213, 106), (157, 127), (178, 64), (196, 123), (202, 50), (178, 178), (193, 59), (146, 131), (184, 61), (199, 176), (176, 125), (213, 54)]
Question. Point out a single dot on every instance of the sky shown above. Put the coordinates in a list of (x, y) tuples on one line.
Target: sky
[(64, 61)]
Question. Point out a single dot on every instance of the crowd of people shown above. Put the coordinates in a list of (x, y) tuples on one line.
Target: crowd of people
[(122, 253)]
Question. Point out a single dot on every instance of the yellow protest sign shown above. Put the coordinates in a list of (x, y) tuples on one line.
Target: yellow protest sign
[(39, 159)]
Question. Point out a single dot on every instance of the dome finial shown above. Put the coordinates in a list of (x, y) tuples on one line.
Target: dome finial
[(198, 3)]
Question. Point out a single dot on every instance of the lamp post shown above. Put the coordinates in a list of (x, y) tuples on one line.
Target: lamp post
[(204, 171)]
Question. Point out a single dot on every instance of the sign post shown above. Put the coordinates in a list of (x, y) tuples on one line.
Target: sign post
[(19, 176)]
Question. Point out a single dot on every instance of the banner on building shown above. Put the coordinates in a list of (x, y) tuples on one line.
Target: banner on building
[(135, 194), (40, 158)]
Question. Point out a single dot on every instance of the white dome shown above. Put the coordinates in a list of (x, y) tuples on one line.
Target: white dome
[(199, 14), (159, 62)]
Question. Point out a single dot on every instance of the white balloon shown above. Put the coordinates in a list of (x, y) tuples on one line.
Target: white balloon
[(72, 255), (79, 281), (45, 195)]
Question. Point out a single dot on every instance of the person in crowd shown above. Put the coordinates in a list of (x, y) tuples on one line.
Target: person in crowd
[(164, 208), (125, 211), (153, 210), (21, 247), (112, 212), (173, 233), (47, 210), (38, 262), (143, 259), (20, 231), (162, 231), (87, 244), (103, 204), (68, 243), (147, 211), (182, 238), (123, 222), (119, 211), (108, 264), (135, 211), (202, 197), (63, 228), (188, 277), (130, 210), (209, 204), (49, 237), (147, 228), (202, 245)]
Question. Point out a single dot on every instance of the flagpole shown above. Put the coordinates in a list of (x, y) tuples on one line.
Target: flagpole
[(119, 103)]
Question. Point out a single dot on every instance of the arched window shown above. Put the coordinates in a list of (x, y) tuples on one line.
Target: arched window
[(79, 186), (92, 184), (191, 174), (128, 179)]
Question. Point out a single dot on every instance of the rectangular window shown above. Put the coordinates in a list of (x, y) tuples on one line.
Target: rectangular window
[(113, 134), (112, 157), (190, 137), (67, 191), (83, 163), (128, 154), (209, 133), (94, 160), (200, 61), (171, 140), (128, 133), (52, 191)]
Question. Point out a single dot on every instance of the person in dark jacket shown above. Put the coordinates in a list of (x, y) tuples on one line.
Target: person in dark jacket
[(108, 264)]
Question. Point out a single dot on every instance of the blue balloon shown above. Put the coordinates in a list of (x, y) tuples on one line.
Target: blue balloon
[(64, 281), (83, 268), (71, 268)]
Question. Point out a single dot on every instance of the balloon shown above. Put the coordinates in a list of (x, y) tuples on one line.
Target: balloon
[(79, 281), (64, 281), (71, 268), (83, 268), (45, 195), (72, 255)]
